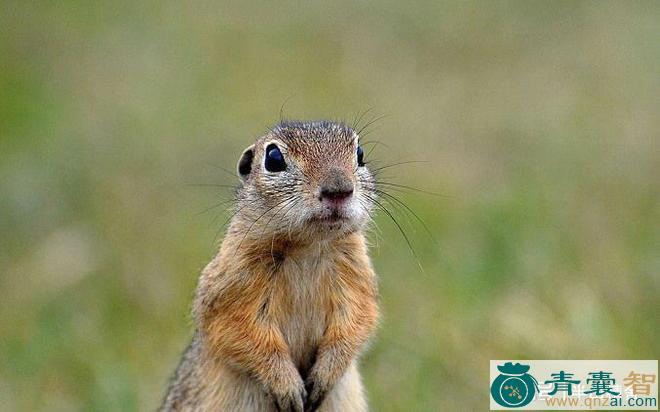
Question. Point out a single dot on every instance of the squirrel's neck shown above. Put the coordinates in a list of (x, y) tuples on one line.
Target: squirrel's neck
[(246, 250)]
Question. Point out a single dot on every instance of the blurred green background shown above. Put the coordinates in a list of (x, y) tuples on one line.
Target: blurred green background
[(538, 122)]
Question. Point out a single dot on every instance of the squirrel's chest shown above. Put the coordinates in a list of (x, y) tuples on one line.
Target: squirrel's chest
[(304, 295)]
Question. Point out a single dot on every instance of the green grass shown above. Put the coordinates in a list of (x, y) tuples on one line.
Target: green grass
[(538, 121)]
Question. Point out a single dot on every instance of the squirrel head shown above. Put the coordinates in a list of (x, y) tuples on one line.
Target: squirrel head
[(304, 180)]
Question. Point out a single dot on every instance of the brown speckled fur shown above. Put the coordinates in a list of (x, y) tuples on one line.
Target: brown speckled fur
[(288, 303)]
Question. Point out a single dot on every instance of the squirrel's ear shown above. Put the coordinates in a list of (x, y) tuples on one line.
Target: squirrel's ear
[(245, 163)]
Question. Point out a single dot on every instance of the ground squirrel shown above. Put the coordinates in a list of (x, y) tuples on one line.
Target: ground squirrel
[(288, 303)]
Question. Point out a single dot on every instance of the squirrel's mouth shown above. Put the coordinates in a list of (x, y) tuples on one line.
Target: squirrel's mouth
[(331, 217)]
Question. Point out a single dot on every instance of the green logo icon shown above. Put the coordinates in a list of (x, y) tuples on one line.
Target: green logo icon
[(513, 387)]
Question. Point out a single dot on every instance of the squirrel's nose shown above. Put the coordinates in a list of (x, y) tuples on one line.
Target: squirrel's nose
[(336, 188), (336, 193)]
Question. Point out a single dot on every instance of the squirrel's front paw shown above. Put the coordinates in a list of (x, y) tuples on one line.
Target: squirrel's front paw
[(290, 398), (316, 391)]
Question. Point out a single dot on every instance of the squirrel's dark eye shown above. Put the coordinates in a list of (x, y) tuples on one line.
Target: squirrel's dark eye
[(360, 156), (274, 159)]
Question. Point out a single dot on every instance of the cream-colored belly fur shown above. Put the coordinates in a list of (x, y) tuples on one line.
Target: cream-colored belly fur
[(225, 390)]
